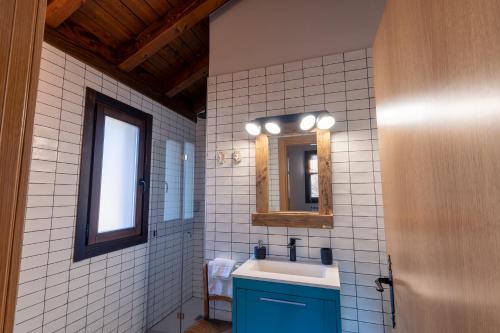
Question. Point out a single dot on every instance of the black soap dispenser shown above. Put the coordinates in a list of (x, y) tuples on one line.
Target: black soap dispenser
[(259, 251)]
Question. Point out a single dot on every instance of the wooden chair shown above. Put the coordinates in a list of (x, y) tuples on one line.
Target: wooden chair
[(207, 325)]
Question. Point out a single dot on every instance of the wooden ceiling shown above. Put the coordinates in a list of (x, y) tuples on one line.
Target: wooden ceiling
[(158, 47)]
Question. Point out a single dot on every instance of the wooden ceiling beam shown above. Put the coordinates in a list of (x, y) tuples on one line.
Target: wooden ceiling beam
[(140, 81), (86, 39), (188, 76), (165, 30), (59, 10)]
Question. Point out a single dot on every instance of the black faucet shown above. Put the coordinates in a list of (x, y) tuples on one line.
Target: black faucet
[(293, 248)]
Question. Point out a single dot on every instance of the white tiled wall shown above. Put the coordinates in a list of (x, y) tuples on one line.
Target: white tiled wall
[(342, 84), (199, 207), (107, 293)]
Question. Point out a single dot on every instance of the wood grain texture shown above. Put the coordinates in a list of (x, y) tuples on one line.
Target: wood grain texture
[(97, 32), (188, 76), (165, 30), (263, 217), (437, 70), (21, 33), (207, 325), (59, 10), (324, 172), (293, 219), (213, 326), (262, 173)]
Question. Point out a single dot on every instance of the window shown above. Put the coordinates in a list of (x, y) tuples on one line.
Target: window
[(113, 198), (311, 181), (188, 180), (179, 164), (173, 169)]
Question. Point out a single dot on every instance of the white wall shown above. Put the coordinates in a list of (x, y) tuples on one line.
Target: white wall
[(108, 292), (256, 33), (341, 83)]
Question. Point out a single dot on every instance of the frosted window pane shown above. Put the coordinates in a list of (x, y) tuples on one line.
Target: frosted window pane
[(119, 175), (314, 186), (188, 180), (313, 164), (173, 164)]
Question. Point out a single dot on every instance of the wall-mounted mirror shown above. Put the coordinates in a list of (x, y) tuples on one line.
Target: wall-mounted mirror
[(293, 174), (293, 170)]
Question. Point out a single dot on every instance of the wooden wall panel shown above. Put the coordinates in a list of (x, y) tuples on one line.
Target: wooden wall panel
[(21, 34), (261, 173), (324, 172), (437, 83)]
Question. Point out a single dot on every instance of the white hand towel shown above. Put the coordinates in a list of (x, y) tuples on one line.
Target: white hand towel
[(222, 268), (219, 277)]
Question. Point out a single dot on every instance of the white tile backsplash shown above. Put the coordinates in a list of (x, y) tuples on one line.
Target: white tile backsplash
[(342, 84)]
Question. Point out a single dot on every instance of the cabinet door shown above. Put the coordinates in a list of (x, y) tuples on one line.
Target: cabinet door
[(266, 312)]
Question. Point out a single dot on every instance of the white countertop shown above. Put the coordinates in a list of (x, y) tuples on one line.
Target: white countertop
[(298, 273)]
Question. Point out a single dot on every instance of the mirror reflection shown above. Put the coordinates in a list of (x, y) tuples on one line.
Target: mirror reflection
[(293, 173)]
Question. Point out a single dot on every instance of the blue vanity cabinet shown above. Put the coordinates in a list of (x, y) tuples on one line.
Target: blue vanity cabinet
[(270, 307)]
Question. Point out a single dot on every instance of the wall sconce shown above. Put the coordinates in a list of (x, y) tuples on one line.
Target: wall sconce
[(221, 157), (236, 156), (306, 122)]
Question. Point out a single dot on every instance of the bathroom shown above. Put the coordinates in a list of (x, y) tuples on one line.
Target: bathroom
[(249, 166)]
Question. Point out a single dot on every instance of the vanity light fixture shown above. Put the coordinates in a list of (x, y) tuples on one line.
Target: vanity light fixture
[(285, 123), (252, 128), (308, 122), (325, 121), (272, 127)]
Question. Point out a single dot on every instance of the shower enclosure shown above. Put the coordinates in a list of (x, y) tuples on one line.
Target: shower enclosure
[(176, 232)]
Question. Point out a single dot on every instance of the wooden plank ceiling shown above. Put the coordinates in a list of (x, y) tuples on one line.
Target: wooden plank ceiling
[(158, 47)]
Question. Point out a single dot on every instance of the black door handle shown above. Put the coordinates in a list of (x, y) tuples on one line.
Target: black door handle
[(383, 280), (388, 281)]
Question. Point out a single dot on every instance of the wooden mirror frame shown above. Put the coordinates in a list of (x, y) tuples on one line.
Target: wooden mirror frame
[(321, 219)]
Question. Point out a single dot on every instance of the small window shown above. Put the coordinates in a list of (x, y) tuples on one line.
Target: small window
[(188, 180), (173, 170), (179, 165), (113, 198), (311, 172)]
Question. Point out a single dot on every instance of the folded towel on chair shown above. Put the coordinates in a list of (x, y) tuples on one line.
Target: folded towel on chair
[(219, 277), (220, 267)]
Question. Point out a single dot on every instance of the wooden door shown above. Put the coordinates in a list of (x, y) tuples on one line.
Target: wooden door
[(437, 83), (21, 34)]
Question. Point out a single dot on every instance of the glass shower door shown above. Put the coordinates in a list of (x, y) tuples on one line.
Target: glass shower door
[(166, 239), (192, 306), (171, 307)]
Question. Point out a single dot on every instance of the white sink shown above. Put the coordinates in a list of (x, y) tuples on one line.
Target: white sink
[(289, 268), (307, 274)]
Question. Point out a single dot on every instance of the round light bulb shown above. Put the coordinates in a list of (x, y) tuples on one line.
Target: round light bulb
[(307, 122), (326, 121), (252, 129), (273, 128)]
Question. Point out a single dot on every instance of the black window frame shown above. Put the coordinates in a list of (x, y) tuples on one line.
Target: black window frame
[(88, 242), (307, 174)]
